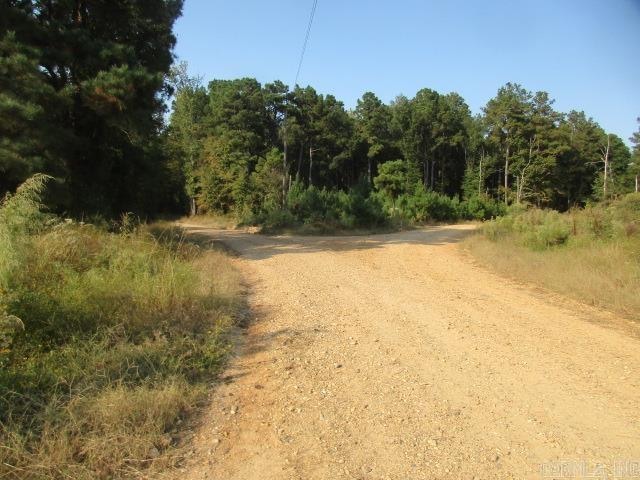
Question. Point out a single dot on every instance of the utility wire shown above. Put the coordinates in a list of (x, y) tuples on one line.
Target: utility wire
[(306, 40)]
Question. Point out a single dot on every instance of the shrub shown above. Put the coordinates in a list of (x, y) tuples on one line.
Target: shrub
[(307, 204), (547, 234), (275, 219), (481, 207), (534, 228), (424, 205), (626, 215), (357, 209), (498, 228), (596, 221), (326, 210)]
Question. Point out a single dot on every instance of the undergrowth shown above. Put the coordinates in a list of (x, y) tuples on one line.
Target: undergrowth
[(591, 254), (312, 210), (107, 342)]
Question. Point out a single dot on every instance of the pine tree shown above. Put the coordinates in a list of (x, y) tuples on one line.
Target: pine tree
[(101, 66)]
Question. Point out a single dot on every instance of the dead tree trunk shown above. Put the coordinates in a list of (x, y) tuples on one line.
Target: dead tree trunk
[(299, 170), (310, 164), (506, 176), (285, 170), (522, 177), (605, 160)]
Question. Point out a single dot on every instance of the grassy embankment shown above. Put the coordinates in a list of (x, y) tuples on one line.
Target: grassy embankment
[(107, 342), (590, 254)]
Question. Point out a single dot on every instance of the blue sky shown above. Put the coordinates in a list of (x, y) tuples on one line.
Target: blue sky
[(585, 53)]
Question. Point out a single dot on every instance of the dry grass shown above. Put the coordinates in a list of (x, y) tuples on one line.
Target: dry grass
[(118, 433), (605, 275), (123, 335), (211, 221), (598, 264)]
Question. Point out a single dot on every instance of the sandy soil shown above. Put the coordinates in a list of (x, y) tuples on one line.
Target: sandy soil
[(396, 357)]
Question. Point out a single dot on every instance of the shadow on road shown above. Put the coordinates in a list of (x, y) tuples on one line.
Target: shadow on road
[(259, 247)]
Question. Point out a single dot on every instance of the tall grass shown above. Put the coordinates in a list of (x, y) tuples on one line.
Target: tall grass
[(108, 341), (590, 254)]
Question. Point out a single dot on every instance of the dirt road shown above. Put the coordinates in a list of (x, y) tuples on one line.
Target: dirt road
[(396, 357)]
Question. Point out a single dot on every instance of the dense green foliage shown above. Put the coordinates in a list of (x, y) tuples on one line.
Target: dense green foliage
[(542, 229), (81, 98), (244, 147), (82, 92), (106, 341)]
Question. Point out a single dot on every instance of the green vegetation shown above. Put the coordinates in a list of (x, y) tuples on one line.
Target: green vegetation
[(249, 150), (88, 110), (321, 210), (107, 341), (591, 254), (82, 92)]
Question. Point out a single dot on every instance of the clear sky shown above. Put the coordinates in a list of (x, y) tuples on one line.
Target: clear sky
[(585, 53)]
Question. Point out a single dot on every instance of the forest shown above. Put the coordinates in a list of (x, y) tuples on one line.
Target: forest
[(253, 149), (90, 109)]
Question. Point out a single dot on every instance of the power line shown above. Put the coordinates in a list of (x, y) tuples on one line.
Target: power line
[(306, 40)]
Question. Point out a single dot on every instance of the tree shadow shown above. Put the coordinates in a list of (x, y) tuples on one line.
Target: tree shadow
[(255, 246)]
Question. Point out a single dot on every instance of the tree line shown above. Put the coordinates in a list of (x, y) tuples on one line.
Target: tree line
[(245, 144), (84, 89)]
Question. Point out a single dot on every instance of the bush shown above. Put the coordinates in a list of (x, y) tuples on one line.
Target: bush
[(537, 229), (498, 228), (626, 215), (424, 205), (595, 221), (359, 210), (541, 229), (548, 234), (323, 210), (307, 205), (276, 219), (481, 207)]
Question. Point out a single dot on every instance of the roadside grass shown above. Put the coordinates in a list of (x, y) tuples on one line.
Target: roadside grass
[(108, 342), (208, 220), (592, 254)]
